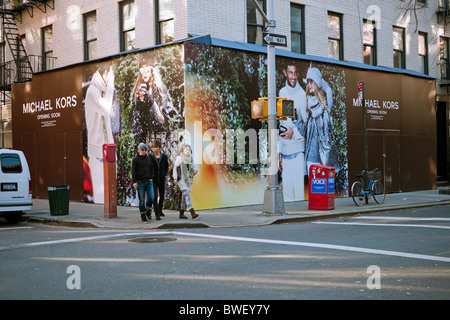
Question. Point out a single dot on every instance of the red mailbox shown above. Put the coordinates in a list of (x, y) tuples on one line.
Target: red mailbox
[(321, 187), (109, 152)]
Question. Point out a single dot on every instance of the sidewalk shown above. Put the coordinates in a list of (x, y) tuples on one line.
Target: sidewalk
[(92, 215)]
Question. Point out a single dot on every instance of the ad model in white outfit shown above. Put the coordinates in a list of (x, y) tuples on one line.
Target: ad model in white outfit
[(98, 105), (291, 144)]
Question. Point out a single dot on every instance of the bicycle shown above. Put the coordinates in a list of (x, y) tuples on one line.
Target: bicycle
[(374, 188)]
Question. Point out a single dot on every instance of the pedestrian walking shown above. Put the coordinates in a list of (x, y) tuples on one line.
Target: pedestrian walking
[(142, 174), (161, 166), (183, 176)]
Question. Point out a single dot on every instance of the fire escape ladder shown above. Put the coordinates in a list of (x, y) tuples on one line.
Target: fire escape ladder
[(12, 36)]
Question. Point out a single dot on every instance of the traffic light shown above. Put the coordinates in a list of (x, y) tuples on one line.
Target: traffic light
[(285, 108), (260, 109)]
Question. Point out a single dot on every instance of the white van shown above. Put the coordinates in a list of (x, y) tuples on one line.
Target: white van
[(15, 185)]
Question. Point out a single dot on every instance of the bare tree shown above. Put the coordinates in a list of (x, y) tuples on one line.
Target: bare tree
[(412, 7)]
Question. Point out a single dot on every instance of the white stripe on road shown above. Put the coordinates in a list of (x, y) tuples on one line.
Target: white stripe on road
[(280, 242), (15, 228), (383, 224), (401, 218), (322, 245), (109, 236)]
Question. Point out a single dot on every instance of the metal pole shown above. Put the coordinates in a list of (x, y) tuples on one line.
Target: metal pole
[(364, 129), (273, 195), (365, 162)]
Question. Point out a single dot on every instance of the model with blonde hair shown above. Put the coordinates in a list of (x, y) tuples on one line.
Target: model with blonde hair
[(319, 101)]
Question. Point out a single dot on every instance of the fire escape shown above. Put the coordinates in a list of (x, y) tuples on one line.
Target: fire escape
[(22, 67), (443, 19)]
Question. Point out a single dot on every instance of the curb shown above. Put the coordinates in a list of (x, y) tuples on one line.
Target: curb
[(357, 213), (61, 223), (277, 219)]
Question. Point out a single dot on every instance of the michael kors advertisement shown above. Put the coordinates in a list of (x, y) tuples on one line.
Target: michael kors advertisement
[(47, 122), (52, 102), (199, 94)]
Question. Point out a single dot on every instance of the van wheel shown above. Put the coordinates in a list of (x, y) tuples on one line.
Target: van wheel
[(13, 217)]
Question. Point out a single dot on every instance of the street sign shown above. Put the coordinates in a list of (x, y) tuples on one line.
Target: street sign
[(274, 39), (361, 91)]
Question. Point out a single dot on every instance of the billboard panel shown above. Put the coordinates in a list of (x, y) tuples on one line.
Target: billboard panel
[(232, 148), (201, 94), (131, 99), (47, 119)]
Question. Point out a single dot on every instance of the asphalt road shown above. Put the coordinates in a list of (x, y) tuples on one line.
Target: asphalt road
[(398, 255)]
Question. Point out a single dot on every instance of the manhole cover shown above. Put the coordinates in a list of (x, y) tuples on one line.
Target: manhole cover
[(152, 240)]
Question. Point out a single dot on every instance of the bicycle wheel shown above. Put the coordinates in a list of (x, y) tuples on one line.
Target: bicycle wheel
[(357, 193), (378, 192)]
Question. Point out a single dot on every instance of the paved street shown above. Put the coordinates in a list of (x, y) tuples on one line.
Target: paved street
[(390, 255)]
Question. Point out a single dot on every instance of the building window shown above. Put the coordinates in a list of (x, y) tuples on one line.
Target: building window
[(165, 21), (5, 123), (369, 43), (399, 47), (90, 36), (47, 47), (335, 47), (5, 104), (6, 130), (444, 47), (127, 26), (423, 52), (297, 28), (255, 22)]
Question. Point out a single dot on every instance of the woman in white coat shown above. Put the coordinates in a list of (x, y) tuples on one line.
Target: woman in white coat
[(98, 105), (183, 176)]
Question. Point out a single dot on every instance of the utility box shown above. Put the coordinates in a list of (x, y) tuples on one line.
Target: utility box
[(109, 152), (321, 187)]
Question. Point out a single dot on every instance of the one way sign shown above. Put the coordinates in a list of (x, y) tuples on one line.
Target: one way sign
[(272, 39)]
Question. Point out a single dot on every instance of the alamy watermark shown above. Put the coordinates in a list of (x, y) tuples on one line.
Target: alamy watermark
[(374, 280), (375, 15), (74, 280), (214, 146)]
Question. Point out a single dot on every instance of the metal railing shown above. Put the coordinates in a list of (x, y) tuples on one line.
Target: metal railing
[(21, 4), (12, 72)]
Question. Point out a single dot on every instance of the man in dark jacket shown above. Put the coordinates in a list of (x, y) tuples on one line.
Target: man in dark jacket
[(161, 165), (142, 173)]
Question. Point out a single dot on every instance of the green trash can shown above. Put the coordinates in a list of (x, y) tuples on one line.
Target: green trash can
[(58, 197)]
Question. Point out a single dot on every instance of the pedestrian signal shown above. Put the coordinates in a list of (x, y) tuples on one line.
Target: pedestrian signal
[(260, 109), (285, 108)]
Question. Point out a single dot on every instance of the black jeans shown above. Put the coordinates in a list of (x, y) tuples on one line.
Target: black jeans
[(158, 188)]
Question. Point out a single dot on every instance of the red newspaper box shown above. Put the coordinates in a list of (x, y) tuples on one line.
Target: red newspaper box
[(321, 187), (110, 180), (109, 152)]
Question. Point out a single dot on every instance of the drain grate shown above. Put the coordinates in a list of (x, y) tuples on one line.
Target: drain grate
[(152, 240)]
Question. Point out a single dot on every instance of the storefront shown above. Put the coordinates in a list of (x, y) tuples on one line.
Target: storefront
[(199, 92)]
